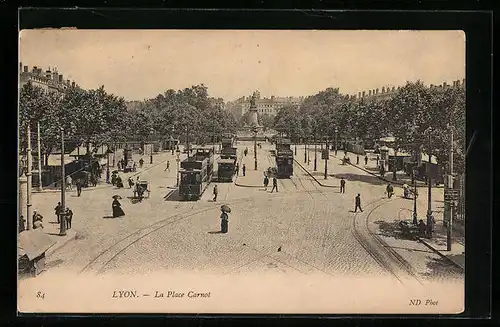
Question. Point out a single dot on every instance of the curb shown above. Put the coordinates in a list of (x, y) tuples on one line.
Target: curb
[(439, 253), (397, 182), (243, 185), (71, 235), (312, 176)]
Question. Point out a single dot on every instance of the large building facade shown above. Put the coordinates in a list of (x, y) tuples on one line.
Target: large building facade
[(386, 92), (269, 106), (49, 80)]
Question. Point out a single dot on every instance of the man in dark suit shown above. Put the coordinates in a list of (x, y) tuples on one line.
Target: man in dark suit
[(358, 203)]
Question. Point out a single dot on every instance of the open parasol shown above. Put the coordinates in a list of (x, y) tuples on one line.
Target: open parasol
[(116, 196), (225, 208)]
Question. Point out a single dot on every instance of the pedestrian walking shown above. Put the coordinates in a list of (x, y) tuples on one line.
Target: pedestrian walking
[(57, 211), (21, 224), (141, 162), (390, 190), (224, 221), (422, 228), (430, 225), (69, 183), (342, 185), (357, 159), (168, 166), (275, 185), (116, 206), (358, 203), (366, 160), (68, 217), (244, 170), (382, 170), (78, 187), (216, 191), (130, 182), (266, 182)]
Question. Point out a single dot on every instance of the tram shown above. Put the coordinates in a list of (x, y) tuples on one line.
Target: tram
[(225, 170), (195, 174), (284, 158)]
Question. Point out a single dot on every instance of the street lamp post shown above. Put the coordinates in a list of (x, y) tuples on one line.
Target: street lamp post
[(336, 131), (429, 188), (62, 217), (255, 146), (172, 140), (326, 159), (415, 222), (107, 165), (315, 149), (177, 160), (305, 150)]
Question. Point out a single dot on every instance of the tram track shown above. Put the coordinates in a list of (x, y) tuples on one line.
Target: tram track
[(386, 257), (99, 262)]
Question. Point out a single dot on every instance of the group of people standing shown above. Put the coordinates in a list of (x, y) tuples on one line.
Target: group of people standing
[(65, 214)]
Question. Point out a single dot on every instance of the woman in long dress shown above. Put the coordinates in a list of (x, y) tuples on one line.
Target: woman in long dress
[(117, 210), (224, 221)]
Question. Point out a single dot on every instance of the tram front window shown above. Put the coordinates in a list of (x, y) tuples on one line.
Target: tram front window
[(190, 178)]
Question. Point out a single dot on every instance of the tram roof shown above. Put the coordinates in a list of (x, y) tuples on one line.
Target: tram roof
[(184, 170), (224, 161)]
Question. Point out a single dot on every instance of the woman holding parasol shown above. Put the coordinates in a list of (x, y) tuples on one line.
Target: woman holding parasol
[(224, 218), (116, 205)]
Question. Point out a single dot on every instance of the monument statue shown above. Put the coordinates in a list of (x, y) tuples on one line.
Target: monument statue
[(253, 120)]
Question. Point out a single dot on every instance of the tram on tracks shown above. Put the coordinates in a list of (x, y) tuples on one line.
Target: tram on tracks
[(195, 174), (225, 170), (284, 158)]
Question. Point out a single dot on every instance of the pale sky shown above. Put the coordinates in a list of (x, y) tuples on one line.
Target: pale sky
[(139, 64)]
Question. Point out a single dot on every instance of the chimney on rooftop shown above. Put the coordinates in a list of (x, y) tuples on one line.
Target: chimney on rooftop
[(444, 84), (35, 70), (369, 92), (73, 84), (364, 94), (25, 69), (383, 89), (61, 80)]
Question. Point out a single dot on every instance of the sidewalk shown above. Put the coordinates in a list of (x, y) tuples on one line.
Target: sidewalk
[(438, 245), (51, 228), (253, 178), (42, 199), (371, 168)]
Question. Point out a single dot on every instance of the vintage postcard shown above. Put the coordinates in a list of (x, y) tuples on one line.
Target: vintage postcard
[(241, 171)]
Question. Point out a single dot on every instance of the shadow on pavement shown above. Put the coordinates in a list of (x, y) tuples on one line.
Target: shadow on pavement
[(360, 178), (53, 264), (393, 230), (108, 217), (215, 232), (173, 195), (440, 267)]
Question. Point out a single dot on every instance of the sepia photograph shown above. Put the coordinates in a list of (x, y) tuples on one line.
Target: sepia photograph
[(241, 171)]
